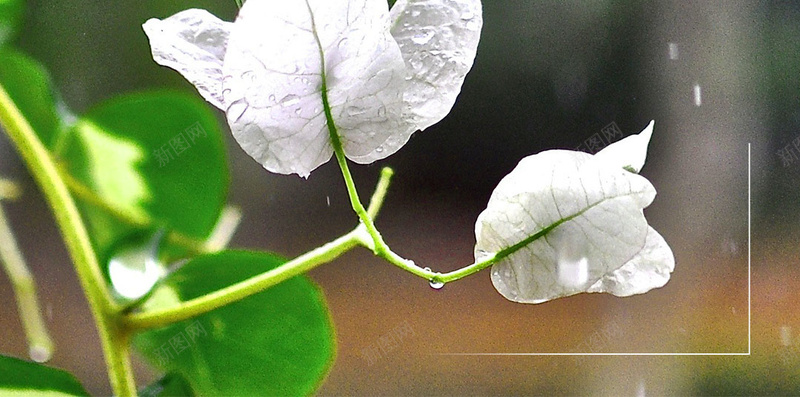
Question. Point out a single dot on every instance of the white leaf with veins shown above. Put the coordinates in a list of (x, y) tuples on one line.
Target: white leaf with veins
[(567, 222), (192, 42), (386, 76)]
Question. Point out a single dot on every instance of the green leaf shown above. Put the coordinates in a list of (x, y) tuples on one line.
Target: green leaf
[(112, 167), (171, 384), (565, 222), (155, 153), (29, 85), (11, 12), (277, 342), (19, 377)]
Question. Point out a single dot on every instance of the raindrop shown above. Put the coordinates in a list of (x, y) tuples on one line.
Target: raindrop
[(355, 110), (698, 99), (290, 100), (328, 200), (379, 149), (573, 273), (641, 390), (40, 354), (435, 284), (415, 13), (467, 15), (342, 43), (134, 269), (673, 51), (272, 98), (786, 336), (382, 111), (297, 111), (423, 37)]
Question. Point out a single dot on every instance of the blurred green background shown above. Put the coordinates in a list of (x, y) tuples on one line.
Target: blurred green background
[(549, 74)]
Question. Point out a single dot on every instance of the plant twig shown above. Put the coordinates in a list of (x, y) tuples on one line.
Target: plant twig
[(253, 285), (40, 345), (104, 310)]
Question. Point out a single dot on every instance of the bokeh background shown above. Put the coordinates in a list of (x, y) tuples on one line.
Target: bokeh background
[(549, 74)]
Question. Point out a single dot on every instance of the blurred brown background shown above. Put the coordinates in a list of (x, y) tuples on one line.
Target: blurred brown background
[(549, 74)]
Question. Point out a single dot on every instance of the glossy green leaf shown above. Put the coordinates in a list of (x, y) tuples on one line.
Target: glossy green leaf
[(19, 377), (155, 153), (11, 12), (277, 342), (29, 85), (169, 385)]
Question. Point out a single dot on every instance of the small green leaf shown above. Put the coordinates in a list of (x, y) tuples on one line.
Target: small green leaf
[(11, 12), (29, 85), (155, 153), (277, 342), (18, 377)]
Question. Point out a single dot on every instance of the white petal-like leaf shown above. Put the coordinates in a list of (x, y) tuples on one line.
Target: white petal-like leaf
[(278, 55), (192, 42), (386, 76), (561, 221), (650, 268), (629, 153), (439, 40)]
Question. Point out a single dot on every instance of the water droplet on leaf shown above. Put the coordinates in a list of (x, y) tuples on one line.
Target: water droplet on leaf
[(290, 100), (423, 37), (134, 268)]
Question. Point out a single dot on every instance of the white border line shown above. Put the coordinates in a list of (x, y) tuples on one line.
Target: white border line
[(749, 313)]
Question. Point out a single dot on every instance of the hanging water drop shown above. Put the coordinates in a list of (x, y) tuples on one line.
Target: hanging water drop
[(435, 283), (134, 269)]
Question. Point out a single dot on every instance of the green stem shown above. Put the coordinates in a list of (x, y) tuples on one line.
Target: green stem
[(243, 289), (40, 345), (378, 245), (105, 312), (253, 285)]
